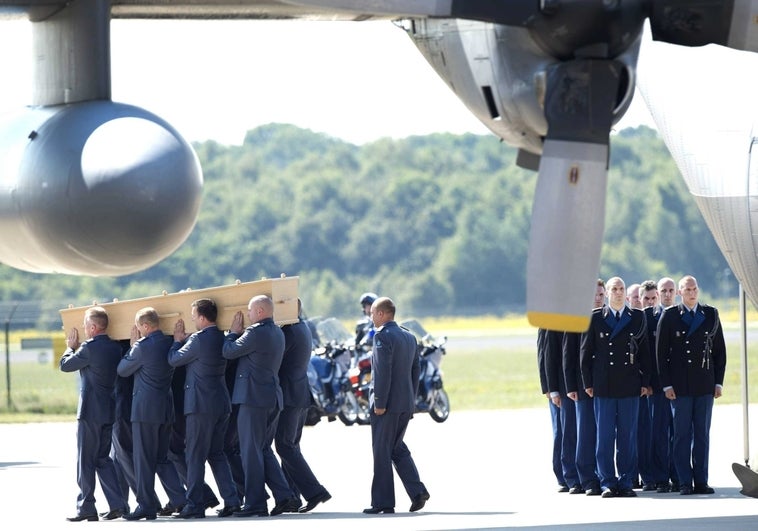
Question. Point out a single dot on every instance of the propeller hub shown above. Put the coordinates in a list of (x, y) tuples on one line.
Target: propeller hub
[(603, 29)]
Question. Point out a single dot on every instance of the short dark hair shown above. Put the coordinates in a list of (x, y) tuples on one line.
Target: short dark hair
[(648, 285), (207, 308)]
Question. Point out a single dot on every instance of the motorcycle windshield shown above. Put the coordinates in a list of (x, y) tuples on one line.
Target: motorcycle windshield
[(422, 336), (332, 331)]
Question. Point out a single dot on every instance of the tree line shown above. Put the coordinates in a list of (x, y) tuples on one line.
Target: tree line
[(438, 222)]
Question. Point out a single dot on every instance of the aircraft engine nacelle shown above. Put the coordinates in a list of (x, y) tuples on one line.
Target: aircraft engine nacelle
[(500, 73), (95, 188)]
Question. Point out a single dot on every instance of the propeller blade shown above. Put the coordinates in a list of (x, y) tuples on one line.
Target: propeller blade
[(748, 479), (566, 235), (730, 23), (568, 215)]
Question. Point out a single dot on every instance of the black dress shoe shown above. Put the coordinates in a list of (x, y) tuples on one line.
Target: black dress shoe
[(213, 502), (249, 511), (228, 510), (608, 493), (685, 490), (290, 505), (649, 487), (674, 486), (112, 515), (593, 491), (419, 501), (170, 509), (311, 504), (663, 487), (139, 514), (563, 488), (703, 489), (187, 514), (83, 518), (378, 510), (576, 489), (626, 493)]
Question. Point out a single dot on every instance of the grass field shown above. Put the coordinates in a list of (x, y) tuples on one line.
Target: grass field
[(483, 378)]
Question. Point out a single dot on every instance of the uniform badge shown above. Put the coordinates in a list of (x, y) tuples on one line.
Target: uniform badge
[(678, 333)]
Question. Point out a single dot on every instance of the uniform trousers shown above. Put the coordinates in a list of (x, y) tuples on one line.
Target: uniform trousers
[(661, 441), (94, 446), (586, 437), (205, 443), (616, 420), (387, 432), (644, 442), (299, 475), (555, 421), (692, 426), (122, 455), (257, 427), (275, 478), (150, 441), (232, 452), (568, 442)]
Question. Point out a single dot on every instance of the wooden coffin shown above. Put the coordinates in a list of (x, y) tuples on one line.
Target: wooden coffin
[(173, 306)]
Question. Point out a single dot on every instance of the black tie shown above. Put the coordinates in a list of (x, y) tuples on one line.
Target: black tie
[(692, 313), (618, 316)]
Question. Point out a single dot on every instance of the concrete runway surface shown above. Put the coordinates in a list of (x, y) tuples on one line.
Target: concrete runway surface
[(483, 469)]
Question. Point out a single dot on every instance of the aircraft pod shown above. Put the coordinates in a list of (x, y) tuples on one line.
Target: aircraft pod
[(97, 188)]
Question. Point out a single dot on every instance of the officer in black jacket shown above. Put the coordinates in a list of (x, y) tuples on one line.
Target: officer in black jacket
[(615, 362), (296, 396), (555, 414), (691, 357), (566, 408), (586, 431)]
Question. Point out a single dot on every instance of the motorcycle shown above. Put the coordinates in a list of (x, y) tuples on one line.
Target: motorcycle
[(331, 394), (431, 398), (360, 383)]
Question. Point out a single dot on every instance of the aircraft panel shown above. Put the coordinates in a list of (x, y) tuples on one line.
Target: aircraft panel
[(708, 123)]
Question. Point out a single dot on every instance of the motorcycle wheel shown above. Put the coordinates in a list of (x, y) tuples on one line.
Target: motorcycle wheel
[(440, 409), (348, 412), (364, 415)]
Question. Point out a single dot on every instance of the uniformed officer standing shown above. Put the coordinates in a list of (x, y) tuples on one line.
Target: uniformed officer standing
[(615, 362), (394, 380), (648, 296), (691, 356), (662, 423), (555, 412), (586, 430), (566, 407)]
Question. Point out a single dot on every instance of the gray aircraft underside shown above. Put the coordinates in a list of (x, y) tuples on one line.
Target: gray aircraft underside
[(93, 187)]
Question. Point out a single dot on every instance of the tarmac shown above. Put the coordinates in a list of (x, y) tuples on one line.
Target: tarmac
[(483, 469)]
